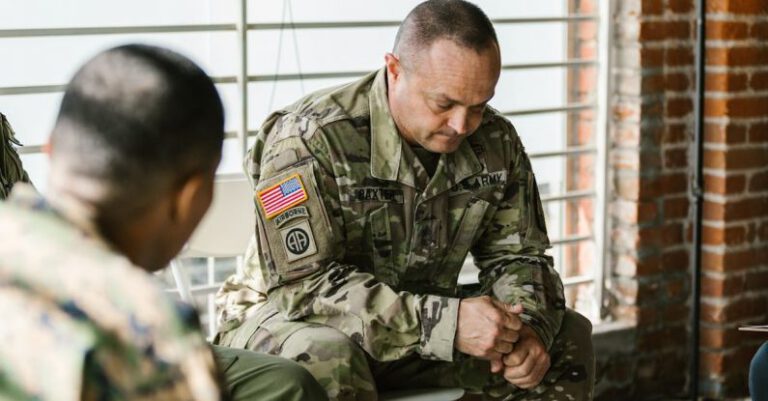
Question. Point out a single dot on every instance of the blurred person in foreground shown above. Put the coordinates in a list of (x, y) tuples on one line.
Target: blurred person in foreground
[(133, 155)]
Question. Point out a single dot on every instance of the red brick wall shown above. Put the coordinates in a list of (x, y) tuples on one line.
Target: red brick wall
[(735, 234), (650, 127), (651, 132)]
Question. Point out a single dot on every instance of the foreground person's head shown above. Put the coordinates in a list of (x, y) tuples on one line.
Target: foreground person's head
[(137, 142)]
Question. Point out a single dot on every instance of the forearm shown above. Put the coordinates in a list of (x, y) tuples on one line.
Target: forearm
[(386, 323)]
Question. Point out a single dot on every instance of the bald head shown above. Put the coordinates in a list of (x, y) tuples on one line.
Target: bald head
[(457, 21), (134, 120)]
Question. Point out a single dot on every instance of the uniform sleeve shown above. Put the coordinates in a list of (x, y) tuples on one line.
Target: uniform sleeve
[(511, 253), (178, 365), (302, 246)]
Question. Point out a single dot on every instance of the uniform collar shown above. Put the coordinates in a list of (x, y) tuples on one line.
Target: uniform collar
[(66, 208), (393, 160), (386, 143), (454, 168)]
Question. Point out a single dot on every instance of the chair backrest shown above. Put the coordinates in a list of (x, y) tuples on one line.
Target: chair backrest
[(229, 223), (225, 231)]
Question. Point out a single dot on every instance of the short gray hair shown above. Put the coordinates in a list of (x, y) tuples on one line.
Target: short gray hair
[(456, 20)]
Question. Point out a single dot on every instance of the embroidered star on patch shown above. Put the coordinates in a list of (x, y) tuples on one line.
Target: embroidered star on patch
[(282, 196)]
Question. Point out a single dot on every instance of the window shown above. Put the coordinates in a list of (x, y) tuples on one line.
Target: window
[(548, 86)]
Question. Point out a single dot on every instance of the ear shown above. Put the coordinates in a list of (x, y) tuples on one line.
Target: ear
[(394, 68), (47, 148), (195, 193)]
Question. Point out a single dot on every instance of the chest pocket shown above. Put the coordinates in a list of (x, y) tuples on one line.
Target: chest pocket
[(466, 232), (535, 227), (381, 245)]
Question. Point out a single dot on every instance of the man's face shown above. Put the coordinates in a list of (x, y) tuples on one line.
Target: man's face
[(437, 98)]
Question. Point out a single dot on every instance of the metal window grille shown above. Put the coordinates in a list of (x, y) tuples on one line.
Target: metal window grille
[(208, 273)]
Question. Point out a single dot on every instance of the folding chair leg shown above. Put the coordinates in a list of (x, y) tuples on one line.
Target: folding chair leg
[(182, 282)]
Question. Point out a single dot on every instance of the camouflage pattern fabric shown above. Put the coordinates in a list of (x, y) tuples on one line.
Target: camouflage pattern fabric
[(81, 323), (353, 234), (566, 380), (348, 373), (11, 170)]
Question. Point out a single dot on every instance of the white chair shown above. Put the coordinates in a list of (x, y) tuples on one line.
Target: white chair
[(225, 232)]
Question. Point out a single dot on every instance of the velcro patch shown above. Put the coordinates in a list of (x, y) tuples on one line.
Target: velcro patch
[(298, 241), (365, 194), (481, 181), (282, 196), (290, 214)]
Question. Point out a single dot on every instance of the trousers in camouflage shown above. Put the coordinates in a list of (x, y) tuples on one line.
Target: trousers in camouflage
[(348, 373)]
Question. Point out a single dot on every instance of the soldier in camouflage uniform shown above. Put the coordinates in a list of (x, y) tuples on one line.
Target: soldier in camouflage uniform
[(11, 170), (369, 196), (134, 152)]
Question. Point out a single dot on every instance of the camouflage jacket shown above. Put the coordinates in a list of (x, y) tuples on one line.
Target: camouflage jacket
[(80, 322), (353, 233), (11, 170)]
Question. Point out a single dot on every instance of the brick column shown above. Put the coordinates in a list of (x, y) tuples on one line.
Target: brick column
[(650, 129), (735, 233)]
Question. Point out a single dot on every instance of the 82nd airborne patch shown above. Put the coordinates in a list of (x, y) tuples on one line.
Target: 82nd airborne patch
[(298, 241)]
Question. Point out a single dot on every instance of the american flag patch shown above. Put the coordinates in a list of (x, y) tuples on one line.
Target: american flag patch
[(282, 196)]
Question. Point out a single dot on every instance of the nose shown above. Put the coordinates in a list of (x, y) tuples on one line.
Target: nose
[(458, 121)]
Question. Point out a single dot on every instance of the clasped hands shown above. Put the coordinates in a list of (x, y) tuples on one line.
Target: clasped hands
[(490, 329)]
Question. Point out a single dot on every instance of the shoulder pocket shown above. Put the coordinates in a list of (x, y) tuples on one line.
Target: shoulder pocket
[(295, 221), (536, 226)]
